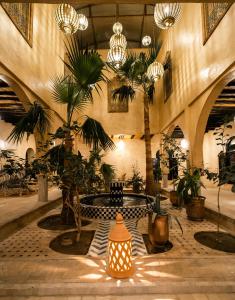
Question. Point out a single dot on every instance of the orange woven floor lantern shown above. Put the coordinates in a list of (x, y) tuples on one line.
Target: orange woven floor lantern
[(120, 263)]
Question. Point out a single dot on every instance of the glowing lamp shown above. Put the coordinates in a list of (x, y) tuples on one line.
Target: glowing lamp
[(166, 14), (119, 263), (117, 27), (66, 18), (82, 22), (146, 40), (155, 71), (184, 144)]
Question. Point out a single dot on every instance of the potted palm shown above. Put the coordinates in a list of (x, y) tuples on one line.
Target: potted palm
[(188, 190), (75, 92), (133, 76)]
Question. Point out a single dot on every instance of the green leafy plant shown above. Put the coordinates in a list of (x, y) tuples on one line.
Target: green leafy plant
[(75, 92), (133, 76), (136, 180)]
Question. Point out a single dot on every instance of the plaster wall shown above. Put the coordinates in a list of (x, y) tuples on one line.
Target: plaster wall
[(20, 149), (195, 66), (128, 153), (131, 122), (211, 149), (34, 66)]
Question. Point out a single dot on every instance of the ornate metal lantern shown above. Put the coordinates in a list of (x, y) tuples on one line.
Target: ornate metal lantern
[(166, 14), (118, 39), (82, 22), (67, 18), (146, 40), (155, 71), (117, 27), (119, 251), (116, 56)]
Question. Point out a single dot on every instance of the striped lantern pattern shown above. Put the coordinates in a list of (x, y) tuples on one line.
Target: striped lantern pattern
[(82, 22), (166, 14), (118, 39), (117, 56), (67, 18), (155, 71)]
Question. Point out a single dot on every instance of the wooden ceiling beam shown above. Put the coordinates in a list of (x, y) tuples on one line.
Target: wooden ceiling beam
[(83, 2)]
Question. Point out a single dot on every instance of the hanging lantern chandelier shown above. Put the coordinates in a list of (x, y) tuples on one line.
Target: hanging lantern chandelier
[(155, 71), (67, 18), (82, 22), (166, 14), (117, 56), (146, 40), (118, 39), (117, 27)]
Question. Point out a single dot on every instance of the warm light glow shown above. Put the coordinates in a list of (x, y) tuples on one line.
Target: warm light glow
[(82, 22), (184, 144), (3, 145), (146, 40), (67, 18), (116, 56), (117, 27), (121, 145), (166, 14), (118, 39), (155, 71)]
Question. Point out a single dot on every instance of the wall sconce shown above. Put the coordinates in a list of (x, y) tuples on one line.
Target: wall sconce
[(184, 144), (119, 251), (121, 145)]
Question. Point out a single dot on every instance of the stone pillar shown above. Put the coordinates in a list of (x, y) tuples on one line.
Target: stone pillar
[(42, 188), (165, 180)]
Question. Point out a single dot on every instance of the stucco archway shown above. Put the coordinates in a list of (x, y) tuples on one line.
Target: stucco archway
[(197, 149)]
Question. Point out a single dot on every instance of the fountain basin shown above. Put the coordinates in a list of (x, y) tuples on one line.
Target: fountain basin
[(134, 206)]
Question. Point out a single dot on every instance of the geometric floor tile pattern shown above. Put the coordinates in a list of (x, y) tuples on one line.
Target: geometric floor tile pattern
[(100, 242), (32, 242)]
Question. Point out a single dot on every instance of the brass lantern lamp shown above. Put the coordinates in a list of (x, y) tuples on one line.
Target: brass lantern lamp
[(67, 18), (120, 263)]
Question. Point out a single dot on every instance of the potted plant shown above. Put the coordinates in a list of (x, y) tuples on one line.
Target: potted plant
[(171, 147), (188, 190), (136, 181)]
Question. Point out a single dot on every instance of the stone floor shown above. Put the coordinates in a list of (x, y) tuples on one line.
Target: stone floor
[(13, 207), (29, 268)]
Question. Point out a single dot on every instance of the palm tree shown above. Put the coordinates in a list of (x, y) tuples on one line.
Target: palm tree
[(132, 75), (76, 92)]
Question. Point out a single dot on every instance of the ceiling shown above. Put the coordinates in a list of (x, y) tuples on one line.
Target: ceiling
[(137, 21), (11, 109), (224, 106)]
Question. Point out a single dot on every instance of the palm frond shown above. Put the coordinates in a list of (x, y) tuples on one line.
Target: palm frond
[(150, 92), (66, 91), (85, 64), (123, 93), (38, 119), (93, 134)]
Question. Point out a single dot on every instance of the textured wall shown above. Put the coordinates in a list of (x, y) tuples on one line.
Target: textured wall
[(35, 66)]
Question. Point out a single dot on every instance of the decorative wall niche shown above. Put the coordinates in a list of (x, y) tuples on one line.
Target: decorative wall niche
[(115, 106), (167, 76), (212, 13), (21, 15)]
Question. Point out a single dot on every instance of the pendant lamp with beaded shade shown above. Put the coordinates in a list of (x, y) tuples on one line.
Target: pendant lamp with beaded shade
[(67, 18), (166, 14)]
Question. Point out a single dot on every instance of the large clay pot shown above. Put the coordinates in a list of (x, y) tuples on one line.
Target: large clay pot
[(195, 209), (160, 229), (174, 198)]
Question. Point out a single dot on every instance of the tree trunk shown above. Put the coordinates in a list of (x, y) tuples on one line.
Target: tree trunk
[(67, 213), (150, 186), (42, 188)]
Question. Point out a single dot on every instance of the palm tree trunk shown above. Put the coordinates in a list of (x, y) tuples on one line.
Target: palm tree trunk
[(67, 214), (150, 187)]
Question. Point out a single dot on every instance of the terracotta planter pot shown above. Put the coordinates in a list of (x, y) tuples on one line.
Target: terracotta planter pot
[(175, 200), (195, 209), (160, 229)]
